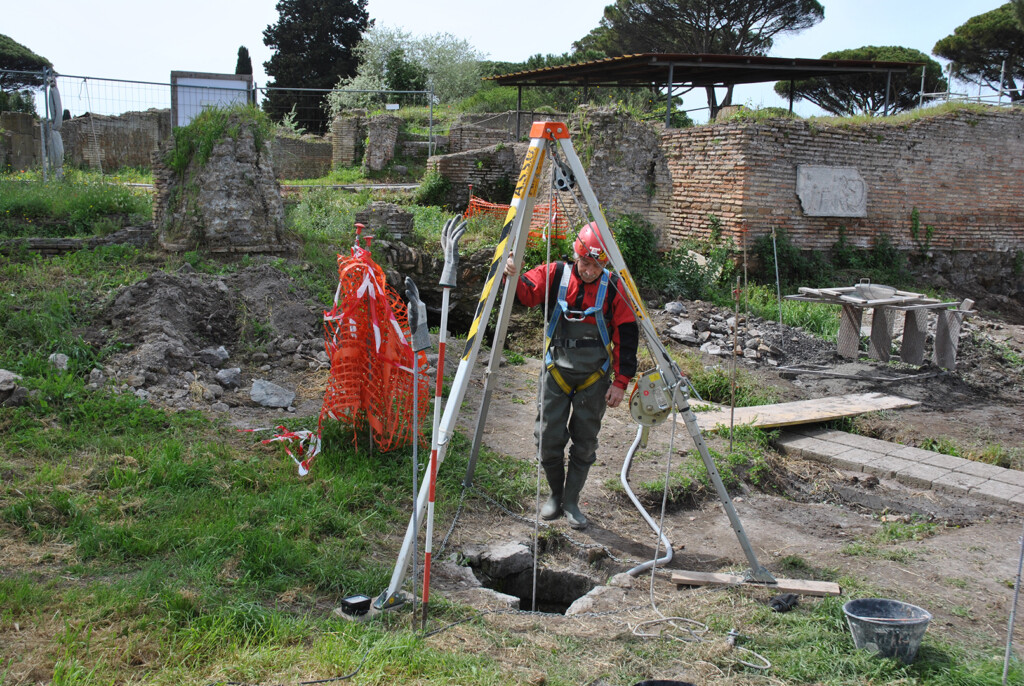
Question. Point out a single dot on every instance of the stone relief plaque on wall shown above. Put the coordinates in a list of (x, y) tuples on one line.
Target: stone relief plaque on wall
[(831, 191)]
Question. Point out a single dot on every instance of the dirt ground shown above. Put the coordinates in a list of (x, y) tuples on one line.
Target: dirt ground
[(963, 573)]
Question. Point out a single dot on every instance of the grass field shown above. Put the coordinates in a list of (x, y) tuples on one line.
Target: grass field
[(146, 547)]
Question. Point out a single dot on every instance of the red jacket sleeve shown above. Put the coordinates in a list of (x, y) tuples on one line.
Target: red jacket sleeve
[(625, 335), (530, 288)]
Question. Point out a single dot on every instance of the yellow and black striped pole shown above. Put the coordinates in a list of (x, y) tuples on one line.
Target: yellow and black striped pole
[(512, 239)]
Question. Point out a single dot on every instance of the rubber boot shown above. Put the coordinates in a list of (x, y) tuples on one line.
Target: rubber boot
[(574, 480), (552, 509)]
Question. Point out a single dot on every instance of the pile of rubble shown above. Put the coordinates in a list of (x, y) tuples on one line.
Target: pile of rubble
[(719, 332), (11, 394), (193, 340)]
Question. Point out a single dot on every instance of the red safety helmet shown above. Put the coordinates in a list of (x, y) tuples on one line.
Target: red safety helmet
[(588, 244)]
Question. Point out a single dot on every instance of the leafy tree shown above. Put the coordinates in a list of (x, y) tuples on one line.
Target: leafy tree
[(865, 93), (1018, 8), (392, 59), (724, 27), (979, 47), (17, 101), (313, 42), (452, 63), (16, 57), (244, 63)]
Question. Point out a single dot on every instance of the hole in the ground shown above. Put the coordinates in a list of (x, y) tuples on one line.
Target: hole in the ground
[(556, 590)]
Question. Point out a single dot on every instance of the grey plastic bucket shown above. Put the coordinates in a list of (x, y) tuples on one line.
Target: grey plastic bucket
[(888, 627)]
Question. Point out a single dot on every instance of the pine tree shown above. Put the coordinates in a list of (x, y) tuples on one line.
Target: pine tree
[(244, 64)]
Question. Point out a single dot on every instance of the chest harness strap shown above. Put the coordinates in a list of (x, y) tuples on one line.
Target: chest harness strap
[(562, 309)]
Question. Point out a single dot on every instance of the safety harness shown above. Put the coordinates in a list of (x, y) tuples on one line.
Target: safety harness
[(561, 309)]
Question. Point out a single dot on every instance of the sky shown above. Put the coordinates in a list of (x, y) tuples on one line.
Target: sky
[(139, 41)]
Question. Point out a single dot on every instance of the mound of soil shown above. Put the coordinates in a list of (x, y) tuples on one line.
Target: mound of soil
[(182, 328)]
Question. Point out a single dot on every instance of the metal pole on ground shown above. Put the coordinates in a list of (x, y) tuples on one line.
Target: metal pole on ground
[(1013, 612), (415, 468), (420, 339), (735, 350), (778, 284), (450, 235)]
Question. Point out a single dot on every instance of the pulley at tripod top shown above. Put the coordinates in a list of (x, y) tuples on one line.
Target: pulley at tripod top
[(649, 403), (564, 179)]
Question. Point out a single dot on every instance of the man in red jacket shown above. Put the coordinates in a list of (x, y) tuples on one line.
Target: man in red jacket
[(591, 344)]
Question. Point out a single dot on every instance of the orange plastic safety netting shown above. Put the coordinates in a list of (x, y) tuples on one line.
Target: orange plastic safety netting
[(365, 335), (538, 222)]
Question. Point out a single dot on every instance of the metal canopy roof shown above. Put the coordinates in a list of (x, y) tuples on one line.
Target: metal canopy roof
[(660, 69)]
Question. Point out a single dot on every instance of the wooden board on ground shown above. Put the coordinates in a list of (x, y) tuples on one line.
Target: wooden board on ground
[(802, 411), (799, 586)]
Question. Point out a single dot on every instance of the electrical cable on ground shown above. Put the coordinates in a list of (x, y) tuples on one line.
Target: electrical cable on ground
[(1013, 612), (695, 636)]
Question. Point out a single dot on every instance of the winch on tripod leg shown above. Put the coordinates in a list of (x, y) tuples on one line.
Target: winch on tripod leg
[(649, 403)]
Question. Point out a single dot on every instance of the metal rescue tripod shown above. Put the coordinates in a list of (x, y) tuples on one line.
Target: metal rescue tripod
[(657, 393)]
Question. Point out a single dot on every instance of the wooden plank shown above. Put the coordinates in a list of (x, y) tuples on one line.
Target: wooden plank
[(803, 411), (837, 291), (800, 586)]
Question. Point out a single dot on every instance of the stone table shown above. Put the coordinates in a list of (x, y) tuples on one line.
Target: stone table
[(885, 302)]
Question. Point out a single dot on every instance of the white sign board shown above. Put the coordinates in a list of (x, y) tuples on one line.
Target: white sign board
[(192, 92), (831, 191)]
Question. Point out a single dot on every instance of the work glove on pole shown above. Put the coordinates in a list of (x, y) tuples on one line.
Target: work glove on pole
[(450, 235), (417, 317)]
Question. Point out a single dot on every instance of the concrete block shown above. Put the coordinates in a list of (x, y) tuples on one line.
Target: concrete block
[(887, 466), (957, 482), (920, 475), (795, 444), (855, 459), (829, 449), (997, 490), (989, 471), (811, 431), (913, 454), (488, 598), (945, 461), (599, 599), (505, 559), (858, 441), (1010, 476)]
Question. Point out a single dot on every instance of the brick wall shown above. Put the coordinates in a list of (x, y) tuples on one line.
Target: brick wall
[(347, 135), (19, 141), (963, 171), (463, 136), (308, 157), (492, 171), (98, 141), (706, 168)]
